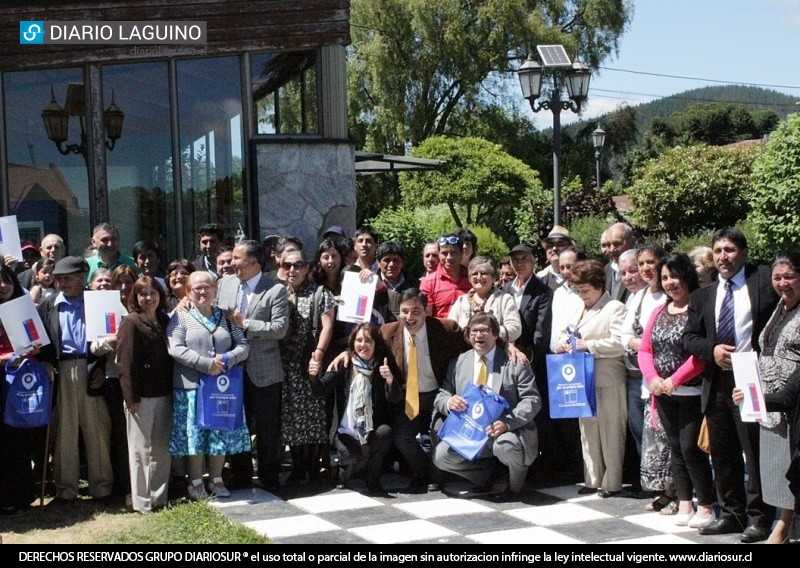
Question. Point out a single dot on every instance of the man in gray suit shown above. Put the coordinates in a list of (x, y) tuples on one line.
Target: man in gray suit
[(620, 237), (258, 304), (513, 439)]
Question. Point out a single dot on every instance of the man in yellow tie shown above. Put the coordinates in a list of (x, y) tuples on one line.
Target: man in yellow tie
[(422, 346), (513, 439)]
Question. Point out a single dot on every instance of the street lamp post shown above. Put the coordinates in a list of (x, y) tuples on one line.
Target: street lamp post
[(575, 76), (598, 141)]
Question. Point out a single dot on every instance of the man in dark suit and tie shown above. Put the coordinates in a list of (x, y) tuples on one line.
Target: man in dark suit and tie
[(512, 437), (422, 347), (728, 317), (620, 237), (259, 304)]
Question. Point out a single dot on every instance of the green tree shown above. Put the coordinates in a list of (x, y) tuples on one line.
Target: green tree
[(479, 182), (413, 62), (692, 189), (776, 190)]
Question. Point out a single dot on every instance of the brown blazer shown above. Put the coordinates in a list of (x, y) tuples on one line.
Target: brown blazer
[(445, 342)]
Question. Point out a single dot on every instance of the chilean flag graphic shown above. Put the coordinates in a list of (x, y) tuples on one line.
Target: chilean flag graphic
[(361, 307), (111, 323), (30, 330)]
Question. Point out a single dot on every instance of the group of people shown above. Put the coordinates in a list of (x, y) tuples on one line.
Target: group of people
[(377, 392)]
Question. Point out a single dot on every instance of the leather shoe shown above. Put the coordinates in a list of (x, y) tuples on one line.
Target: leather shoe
[(587, 491), (606, 494), (433, 487), (754, 534), (725, 525)]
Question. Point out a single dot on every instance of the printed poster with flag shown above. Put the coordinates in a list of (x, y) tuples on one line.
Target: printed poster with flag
[(355, 301), (103, 313), (23, 325), (747, 376), (9, 237)]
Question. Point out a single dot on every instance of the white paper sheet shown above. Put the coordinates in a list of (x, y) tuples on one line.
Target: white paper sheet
[(9, 238), (355, 301), (747, 376), (23, 325), (103, 313)]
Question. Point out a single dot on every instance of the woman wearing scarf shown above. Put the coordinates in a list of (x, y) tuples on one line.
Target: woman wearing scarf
[(201, 340), (363, 390)]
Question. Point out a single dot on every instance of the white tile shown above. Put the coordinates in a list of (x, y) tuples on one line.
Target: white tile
[(239, 497), (660, 539), (443, 508), (291, 526), (339, 501), (560, 514), (531, 535), (656, 522), (404, 531)]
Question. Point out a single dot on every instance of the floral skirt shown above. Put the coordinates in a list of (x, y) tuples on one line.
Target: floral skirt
[(190, 440), (656, 469)]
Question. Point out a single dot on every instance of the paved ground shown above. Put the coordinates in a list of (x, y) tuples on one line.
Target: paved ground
[(556, 515)]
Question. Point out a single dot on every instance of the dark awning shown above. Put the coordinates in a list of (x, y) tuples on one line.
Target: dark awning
[(368, 163)]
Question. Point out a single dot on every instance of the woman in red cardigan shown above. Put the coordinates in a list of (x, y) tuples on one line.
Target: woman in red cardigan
[(675, 377)]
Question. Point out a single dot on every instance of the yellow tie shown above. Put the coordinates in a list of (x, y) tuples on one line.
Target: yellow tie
[(412, 382), (482, 372)]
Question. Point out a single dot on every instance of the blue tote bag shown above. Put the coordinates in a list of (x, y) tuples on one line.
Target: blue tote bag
[(220, 400), (465, 431), (28, 394), (570, 382)]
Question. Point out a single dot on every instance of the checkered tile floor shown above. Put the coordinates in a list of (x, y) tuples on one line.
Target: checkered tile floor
[(556, 515)]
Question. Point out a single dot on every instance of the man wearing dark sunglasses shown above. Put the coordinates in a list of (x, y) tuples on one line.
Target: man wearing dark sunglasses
[(449, 281)]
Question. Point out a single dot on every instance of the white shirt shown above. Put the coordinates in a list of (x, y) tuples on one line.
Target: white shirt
[(517, 292), (564, 302), (427, 380), (249, 288), (493, 380), (742, 310), (549, 270)]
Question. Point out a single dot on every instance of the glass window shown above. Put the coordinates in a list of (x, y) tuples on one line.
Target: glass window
[(139, 168), (210, 109), (285, 92), (48, 191)]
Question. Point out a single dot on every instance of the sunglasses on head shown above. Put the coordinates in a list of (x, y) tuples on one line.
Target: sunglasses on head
[(297, 265), (451, 240)]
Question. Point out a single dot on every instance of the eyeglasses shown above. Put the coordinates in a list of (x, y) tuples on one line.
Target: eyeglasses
[(297, 265), (449, 240), (479, 331)]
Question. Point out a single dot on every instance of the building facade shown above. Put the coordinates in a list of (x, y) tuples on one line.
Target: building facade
[(248, 130)]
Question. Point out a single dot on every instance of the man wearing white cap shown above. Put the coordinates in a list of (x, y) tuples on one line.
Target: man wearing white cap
[(556, 241)]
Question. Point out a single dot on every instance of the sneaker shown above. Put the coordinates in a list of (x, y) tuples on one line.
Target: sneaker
[(217, 488), (196, 490), (698, 522)]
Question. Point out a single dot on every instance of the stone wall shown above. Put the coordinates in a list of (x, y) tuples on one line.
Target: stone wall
[(304, 187)]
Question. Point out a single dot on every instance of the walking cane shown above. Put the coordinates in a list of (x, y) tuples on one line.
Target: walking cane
[(46, 444)]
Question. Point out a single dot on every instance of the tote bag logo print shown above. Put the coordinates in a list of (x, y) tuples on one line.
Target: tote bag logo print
[(223, 383), (477, 410), (568, 372), (28, 380)]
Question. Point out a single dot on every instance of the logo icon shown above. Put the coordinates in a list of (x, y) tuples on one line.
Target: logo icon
[(31, 32), (568, 372), (223, 382), (28, 380), (477, 410)]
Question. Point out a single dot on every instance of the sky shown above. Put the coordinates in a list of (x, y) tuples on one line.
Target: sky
[(714, 42)]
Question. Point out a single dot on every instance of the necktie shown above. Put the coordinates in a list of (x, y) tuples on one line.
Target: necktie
[(726, 329), (412, 382), (483, 372), (241, 299)]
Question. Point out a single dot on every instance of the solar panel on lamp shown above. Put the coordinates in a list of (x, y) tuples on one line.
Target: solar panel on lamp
[(553, 56)]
